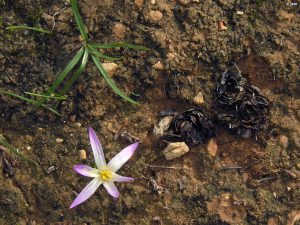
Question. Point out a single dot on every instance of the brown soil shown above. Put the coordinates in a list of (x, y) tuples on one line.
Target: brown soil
[(264, 41)]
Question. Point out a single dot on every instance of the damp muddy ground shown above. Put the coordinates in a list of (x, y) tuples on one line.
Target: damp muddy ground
[(192, 42)]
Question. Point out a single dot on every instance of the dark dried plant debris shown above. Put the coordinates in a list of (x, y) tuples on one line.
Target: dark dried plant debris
[(247, 109), (193, 127)]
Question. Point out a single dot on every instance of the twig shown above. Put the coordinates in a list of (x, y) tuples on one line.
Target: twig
[(167, 167), (267, 178), (232, 168)]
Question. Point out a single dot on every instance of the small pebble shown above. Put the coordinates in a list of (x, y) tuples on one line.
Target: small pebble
[(59, 140), (162, 126), (155, 15), (73, 118), (199, 99), (175, 150), (78, 124), (110, 68), (82, 154), (119, 30), (158, 66), (184, 2), (50, 169), (153, 2), (283, 141), (139, 3), (222, 26), (212, 148), (239, 12)]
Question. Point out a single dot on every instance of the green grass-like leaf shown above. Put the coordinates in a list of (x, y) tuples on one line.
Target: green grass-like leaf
[(110, 81), (13, 150), (77, 72), (78, 19), (120, 45), (52, 96), (62, 75), (2, 91), (100, 55), (28, 28)]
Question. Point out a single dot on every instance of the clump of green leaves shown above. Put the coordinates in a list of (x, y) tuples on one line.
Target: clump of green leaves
[(79, 61), (76, 66)]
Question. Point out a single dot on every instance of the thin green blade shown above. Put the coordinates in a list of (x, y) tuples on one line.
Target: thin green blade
[(77, 72), (52, 96), (100, 55), (63, 75), (78, 19), (120, 45), (13, 150), (26, 99), (110, 81), (28, 28)]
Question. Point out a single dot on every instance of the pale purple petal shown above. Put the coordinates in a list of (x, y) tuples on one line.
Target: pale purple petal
[(86, 171), (118, 178), (87, 192), (97, 149), (111, 188), (122, 157)]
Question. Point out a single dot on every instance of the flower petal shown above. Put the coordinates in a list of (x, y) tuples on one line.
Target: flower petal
[(122, 157), (111, 188), (87, 192), (118, 178), (97, 149), (86, 171)]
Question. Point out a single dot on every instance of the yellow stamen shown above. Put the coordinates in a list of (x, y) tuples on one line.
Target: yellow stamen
[(105, 175)]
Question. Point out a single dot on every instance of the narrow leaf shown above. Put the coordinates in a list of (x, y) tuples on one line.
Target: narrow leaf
[(28, 28), (77, 72), (26, 99), (78, 19), (120, 45), (52, 96), (110, 81), (63, 75), (13, 150), (100, 55)]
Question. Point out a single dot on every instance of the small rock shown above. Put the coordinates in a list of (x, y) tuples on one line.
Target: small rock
[(158, 66), (59, 140), (82, 154), (212, 148), (119, 30), (239, 12), (184, 2), (153, 2), (162, 126), (283, 141), (73, 118), (170, 56), (155, 15), (78, 125), (199, 99), (110, 68), (51, 169), (175, 150), (139, 3), (222, 26)]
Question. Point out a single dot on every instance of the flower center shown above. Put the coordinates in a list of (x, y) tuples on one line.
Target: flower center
[(105, 175)]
